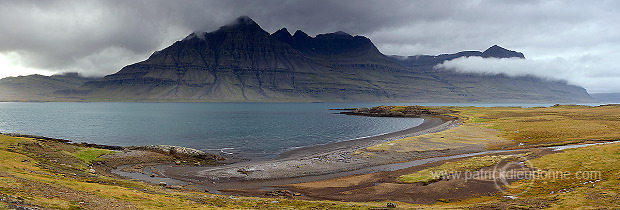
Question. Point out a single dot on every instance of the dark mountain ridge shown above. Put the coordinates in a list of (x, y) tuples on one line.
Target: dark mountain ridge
[(428, 60), (242, 62)]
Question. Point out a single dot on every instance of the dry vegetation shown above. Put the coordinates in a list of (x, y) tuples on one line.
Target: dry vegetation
[(581, 178), (54, 175), (462, 136), (435, 173), (552, 125)]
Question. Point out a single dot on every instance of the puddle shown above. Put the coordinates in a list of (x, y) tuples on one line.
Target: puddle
[(557, 148), (148, 178), (163, 180)]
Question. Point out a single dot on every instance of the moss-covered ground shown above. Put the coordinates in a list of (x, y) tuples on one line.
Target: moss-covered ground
[(578, 178), (55, 175)]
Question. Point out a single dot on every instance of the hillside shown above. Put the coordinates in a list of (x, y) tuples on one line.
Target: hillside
[(45, 173), (241, 62), (606, 97), (38, 87)]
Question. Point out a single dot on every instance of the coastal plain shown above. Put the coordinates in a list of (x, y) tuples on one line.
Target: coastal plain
[(48, 174)]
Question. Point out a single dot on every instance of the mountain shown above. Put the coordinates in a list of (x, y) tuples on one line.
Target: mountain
[(38, 87), (242, 62), (432, 60), (606, 97)]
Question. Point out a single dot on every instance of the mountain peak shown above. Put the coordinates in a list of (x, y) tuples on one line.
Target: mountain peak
[(283, 35), (282, 32), (500, 52), (495, 48), (243, 20), (334, 35), (341, 33), (300, 33), (242, 23), (196, 34)]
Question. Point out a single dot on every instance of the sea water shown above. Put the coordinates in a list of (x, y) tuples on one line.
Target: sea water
[(250, 130)]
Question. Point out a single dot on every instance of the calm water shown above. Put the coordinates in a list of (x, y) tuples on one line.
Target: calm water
[(253, 130)]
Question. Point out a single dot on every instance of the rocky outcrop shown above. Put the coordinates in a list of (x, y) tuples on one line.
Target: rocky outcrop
[(403, 111), (175, 151), (82, 144)]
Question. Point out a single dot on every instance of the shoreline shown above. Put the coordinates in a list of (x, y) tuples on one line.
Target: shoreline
[(428, 124), (309, 163)]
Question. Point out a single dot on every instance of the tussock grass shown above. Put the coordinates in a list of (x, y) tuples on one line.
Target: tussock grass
[(581, 178), (435, 173), (549, 125), (53, 175), (590, 174), (462, 136), (34, 173)]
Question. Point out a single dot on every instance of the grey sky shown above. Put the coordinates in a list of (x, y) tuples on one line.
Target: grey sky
[(572, 40)]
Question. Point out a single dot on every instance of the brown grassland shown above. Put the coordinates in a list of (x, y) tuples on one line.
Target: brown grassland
[(54, 175), (579, 178)]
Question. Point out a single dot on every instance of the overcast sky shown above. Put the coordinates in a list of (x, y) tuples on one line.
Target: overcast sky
[(572, 40)]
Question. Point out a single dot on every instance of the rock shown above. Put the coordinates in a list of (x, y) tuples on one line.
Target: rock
[(92, 171), (176, 151), (281, 193), (242, 171), (176, 187)]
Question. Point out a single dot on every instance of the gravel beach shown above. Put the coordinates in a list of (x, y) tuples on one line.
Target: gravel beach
[(310, 163)]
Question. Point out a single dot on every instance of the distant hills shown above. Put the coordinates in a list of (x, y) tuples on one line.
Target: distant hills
[(606, 97), (40, 88), (242, 62)]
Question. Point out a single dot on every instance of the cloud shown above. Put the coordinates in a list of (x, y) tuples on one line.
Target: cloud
[(61, 35), (586, 71), (64, 35)]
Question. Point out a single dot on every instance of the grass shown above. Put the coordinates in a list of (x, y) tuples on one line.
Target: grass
[(398, 109), (90, 155), (580, 178), (589, 178), (556, 124), (53, 175), (435, 173), (461, 136), (502, 127)]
